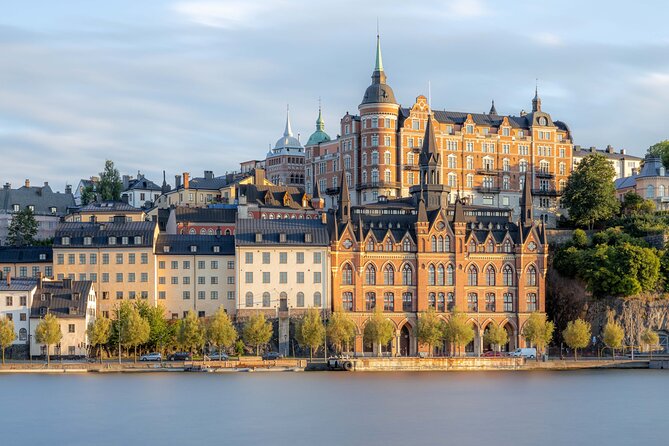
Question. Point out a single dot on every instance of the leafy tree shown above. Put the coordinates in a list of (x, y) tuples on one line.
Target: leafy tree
[(340, 330), (7, 335), (136, 329), (613, 334), (257, 331), (661, 150), (635, 204), (160, 332), (110, 184), (650, 339), (458, 331), (496, 335), (23, 228), (590, 193), (579, 238), (88, 195), (239, 347), (538, 330), (577, 335), (379, 330), (220, 331), (190, 334), (99, 332), (310, 331), (48, 333), (430, 329)]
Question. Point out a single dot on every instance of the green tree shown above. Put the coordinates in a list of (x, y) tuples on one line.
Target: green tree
[(239, 348), (310, 331), (650, 339), (220, 331), (160, 333), (635, 204), (341, 330), (590, 193), (48, 333), (257, 331), (579, 238), (99, 332), (110, 184), (88, 195), (458, 331), (613, 334), (23, 228), (191, 334), (136, 329), (577, 335), (430, 329), (496, 335), (538, 330), (7, 335), (379, 330), (661, 150)]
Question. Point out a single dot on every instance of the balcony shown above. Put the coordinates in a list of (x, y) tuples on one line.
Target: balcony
[(543, 174), (492, 172), (487, 190), (377, 185), (332, 191), (546, 192), (411, 167)]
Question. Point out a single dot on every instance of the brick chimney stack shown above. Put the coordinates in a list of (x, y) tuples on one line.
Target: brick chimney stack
[(9, 279), (27, 184)]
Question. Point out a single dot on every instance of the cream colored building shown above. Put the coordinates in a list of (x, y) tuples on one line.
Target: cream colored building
[(195, 273), (651, 183), (107, 211), (16, 296), (623, 163), (116, 257), (282, 266)]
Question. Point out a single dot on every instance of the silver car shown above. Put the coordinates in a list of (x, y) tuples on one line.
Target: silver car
[(151, 357)]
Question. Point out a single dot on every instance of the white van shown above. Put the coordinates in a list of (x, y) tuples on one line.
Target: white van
[(525, 353)]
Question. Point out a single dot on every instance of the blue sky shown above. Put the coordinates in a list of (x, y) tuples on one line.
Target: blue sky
[(192, 85)]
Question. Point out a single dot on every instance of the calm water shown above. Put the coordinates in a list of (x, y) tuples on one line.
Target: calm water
[(603, 408)]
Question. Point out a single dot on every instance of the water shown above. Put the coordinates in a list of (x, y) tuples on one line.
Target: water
[(496, 408)]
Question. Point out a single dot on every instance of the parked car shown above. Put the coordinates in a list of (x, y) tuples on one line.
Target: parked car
[(151, 357), (271, 356), (525, 353), (491, 353), (216, 356), (180, 356)]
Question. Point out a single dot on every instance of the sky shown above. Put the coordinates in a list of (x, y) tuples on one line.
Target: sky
[(194, 85)]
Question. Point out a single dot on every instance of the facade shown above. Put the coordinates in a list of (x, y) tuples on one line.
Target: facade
[(74, 304), (624, 164), (195, 192), (486, 156), (26, 261), (140, 192), (285, 162), (106, 211), (652, 183), (195, 273), (204, 221), (117, 257), (16, 297), (406, 255), (47, 206), (277, 202)]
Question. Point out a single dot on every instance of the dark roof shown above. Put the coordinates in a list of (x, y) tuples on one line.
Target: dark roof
[(205, 215), (42, 198), (273, 196), (213, 183), (63, 298), (295, 230), (624, 183), (26, 254), (109, 206), (608, 153), (100, 233), (142, 184), (181, 244), (16, 284)]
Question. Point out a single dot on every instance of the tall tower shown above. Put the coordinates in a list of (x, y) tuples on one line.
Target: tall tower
[(526, 207), (430, 188)]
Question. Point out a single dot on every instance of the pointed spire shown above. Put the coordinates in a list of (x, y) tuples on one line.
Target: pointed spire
[(493, 110), (317, 192), (344, 205), (320, 124), (458, 211), (361, 234), (288, 131), (429, 153), (536, 102), (422, 212), (379, 60), (165, 188), (526, 207)]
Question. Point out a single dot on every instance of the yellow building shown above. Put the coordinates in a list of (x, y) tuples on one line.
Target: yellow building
[(106, 211)]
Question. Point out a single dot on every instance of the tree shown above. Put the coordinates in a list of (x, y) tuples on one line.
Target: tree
[(579, 238), (136, 329), (23, 228), (496, 335), (613, 334), (257, 331), (590, 193), (650, 339), (379, 330), (48, 333), (220, 331), (160, 333), (577, 335), (341, 330), (310, 331), (190, 334), (239, 348), (430, 329), (7, 335), (110, 184), (87, 195), (635, 204), (661, 150), (538, 330), (458, 331), (99, 332)]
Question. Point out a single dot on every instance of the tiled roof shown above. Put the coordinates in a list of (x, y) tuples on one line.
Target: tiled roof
[(100, 233), (206, 183), (205, 215), (294, 230), (272, 196), (181, 244), (583, 152), (483, 119), (143, 184), (17, 284), (26, 254), (42, 198), (624, 183), (60, 299), (109, 206)]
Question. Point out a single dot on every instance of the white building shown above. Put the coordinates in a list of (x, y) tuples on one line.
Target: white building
[(624, 164), (16, 296)]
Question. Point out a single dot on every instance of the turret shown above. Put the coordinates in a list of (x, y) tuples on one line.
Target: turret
[(526, 207), (344, 202)]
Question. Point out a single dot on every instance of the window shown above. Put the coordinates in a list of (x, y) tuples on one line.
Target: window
[(407, 275), (60, 259), (131, 258), (23, 334), (472, 302), (283, 277), (347, 275), (317, 277), (249, 277), (266, 258), (532, 302), (248, 258), (300, 299), (174, 280), (144, 258), (317, 299), (119, 295), (389, 275), (440, 275), (490, 276), (119, 277), (186, 264), (265, 277), (300, 256), (406, 245), (370, 301), (432, 301), (249, 299), (283, 257), (201, 280), (347, 301), (472, 276), (70, 259), (231, 264), (131, 277), (508, 302), (300, 277), (507, 273), (431, 275), (407, 302), (490, 302), (531, 276), (266, 299), (119, 259), (9, 300), (449, 275), (370, 275)]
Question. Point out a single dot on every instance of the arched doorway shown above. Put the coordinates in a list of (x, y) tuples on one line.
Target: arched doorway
[(471, 349), (487, 346), (511, 334), (405, 341)]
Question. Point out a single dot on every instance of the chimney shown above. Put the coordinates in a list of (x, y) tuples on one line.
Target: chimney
[(186, 179), (258, 176), (126, 181), (40, 279), (27, 183), (609, 148), (324, 218), (7, 186), (623, 152), (9, 279), (68, 187), (125, 199), (209, 175), (177, 181)]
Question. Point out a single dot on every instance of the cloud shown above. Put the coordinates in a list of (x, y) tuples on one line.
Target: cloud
[(548, 39), (467, 8), (228, 14)]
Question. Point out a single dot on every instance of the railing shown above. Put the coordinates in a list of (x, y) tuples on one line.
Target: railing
[(488, 190), (377, 184), (332, 191), (542, 174), (488, 171), (547, 192), (411, 167)]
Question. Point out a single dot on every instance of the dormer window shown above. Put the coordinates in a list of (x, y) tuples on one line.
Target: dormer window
[(16, 208), (138, 240), (31, 207), (217, 249), (52, 209), (282, 237), (166, 248), (307, 237), (259, 237), (65, 240), (42, 256), (124, 240), (88, 240), (112, 240), (193, 248)]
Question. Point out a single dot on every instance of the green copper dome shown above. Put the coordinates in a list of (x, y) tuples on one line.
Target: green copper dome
[(319, 135)]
